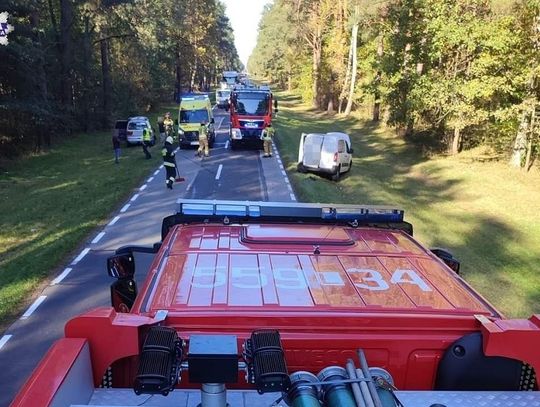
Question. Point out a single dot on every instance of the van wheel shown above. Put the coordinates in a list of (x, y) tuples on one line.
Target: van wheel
[(233, 145), (337, 174), (300, 168)]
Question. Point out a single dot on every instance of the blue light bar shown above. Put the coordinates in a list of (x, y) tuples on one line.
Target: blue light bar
[(313, 211)]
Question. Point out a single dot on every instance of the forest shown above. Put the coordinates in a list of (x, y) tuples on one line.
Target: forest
[(74, 66), (452, 75)]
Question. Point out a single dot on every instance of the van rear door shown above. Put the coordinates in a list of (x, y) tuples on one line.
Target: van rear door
[(329, 149), (313, 145)]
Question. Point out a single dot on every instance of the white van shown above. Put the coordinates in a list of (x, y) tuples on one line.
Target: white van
[(329, 153)]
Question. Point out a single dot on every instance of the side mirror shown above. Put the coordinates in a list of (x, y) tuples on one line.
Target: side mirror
[(275, 104), (121, 266), (447, 258), (123, 295)]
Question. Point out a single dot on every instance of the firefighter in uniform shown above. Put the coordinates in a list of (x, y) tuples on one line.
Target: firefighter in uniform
[(169, 161), (146, 142), (203, 140), (266, 136), (169, 125)]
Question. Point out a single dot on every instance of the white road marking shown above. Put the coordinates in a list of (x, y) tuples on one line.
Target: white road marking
[(289, 187), (219, 171), (134, 197), (112, 222), (161, 166), (143, 187), (284, 173), (156, 172), (190, 185), (64, 274), (220, 123), (293, 197), (80, 256), (287, 181), (227, 144), (33, 307), (150, 180), (125, 208), (98, 238), (4, 340)]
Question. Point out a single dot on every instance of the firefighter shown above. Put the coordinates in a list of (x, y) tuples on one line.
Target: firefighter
[(203, 140), (266, 136), (146, 142), (169, 125), (169, 161)]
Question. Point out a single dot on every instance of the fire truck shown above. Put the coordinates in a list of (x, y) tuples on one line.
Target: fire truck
[(251, 112), (250, 304)]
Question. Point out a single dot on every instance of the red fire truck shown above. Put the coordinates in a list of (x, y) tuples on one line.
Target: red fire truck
[(251, 112), (250, 304)]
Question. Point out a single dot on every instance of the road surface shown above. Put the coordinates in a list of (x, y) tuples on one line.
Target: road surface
[(84, 284)]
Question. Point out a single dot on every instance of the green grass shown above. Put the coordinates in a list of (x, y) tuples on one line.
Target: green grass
[(51, 203), (483, 211)]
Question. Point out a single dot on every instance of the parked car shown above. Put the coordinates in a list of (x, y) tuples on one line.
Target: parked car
[(329, 153), (120, 129), (135, 128)]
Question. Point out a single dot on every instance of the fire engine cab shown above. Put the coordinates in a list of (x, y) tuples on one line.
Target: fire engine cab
[(251, 113), (250, 304)]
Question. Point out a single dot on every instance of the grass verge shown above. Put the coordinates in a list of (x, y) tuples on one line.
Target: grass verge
[(50, 203), (483, 211)]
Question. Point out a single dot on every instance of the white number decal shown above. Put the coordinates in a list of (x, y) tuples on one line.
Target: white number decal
[(404, 276), (291, 279), (208, 277), (242, 276), (370, 276)]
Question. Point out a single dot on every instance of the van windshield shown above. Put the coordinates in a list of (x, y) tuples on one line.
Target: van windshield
[(252, 103), (194, 116)]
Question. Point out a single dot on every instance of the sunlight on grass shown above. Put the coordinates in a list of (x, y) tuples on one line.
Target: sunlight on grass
[(483, 211)]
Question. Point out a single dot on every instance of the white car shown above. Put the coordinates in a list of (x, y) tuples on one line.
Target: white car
[(329, 153), (135, 128)]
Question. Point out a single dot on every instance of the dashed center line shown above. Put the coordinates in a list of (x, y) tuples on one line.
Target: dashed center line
[(4, 340), (33, 307), (98, 238), (149, 180), (80, 256), (134, 197), (227, 144), (64, 274), (143, 187), (219, 171), (112, 222), (125, 208), (156, 172)]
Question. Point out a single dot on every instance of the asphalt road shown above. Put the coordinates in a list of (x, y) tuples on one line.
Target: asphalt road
[(84, 283)]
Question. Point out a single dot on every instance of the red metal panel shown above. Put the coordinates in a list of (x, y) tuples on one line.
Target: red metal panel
[(269, 289), (245, 281), (165, 295), (380, 241), (210, 238), (184, 285), (221, 294), (48, 376), (205, 278), (372, 280)]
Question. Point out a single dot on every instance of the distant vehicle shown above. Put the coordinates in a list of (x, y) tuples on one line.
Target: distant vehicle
[(120, 129), (193, 110), (251, 113), (222, 98), (329, 153), (230, 78), (135, 128)]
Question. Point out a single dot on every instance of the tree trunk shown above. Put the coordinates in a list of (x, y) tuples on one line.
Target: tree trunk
[(86, 74), (347, 78), (378, 78), (317, 55), (456, 141), (66, 22), (178, 74), (106, 79), (354, 39), (520, 143)]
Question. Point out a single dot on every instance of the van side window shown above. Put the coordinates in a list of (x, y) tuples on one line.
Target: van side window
[(341, 146)]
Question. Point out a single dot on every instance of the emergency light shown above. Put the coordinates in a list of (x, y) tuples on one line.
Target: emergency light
[(313, 211)]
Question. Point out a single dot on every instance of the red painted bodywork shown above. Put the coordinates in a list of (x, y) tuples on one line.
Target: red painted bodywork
[(235, 117), (329, 290)]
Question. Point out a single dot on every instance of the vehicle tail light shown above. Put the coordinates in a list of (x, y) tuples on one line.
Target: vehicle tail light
[(335, 157)]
